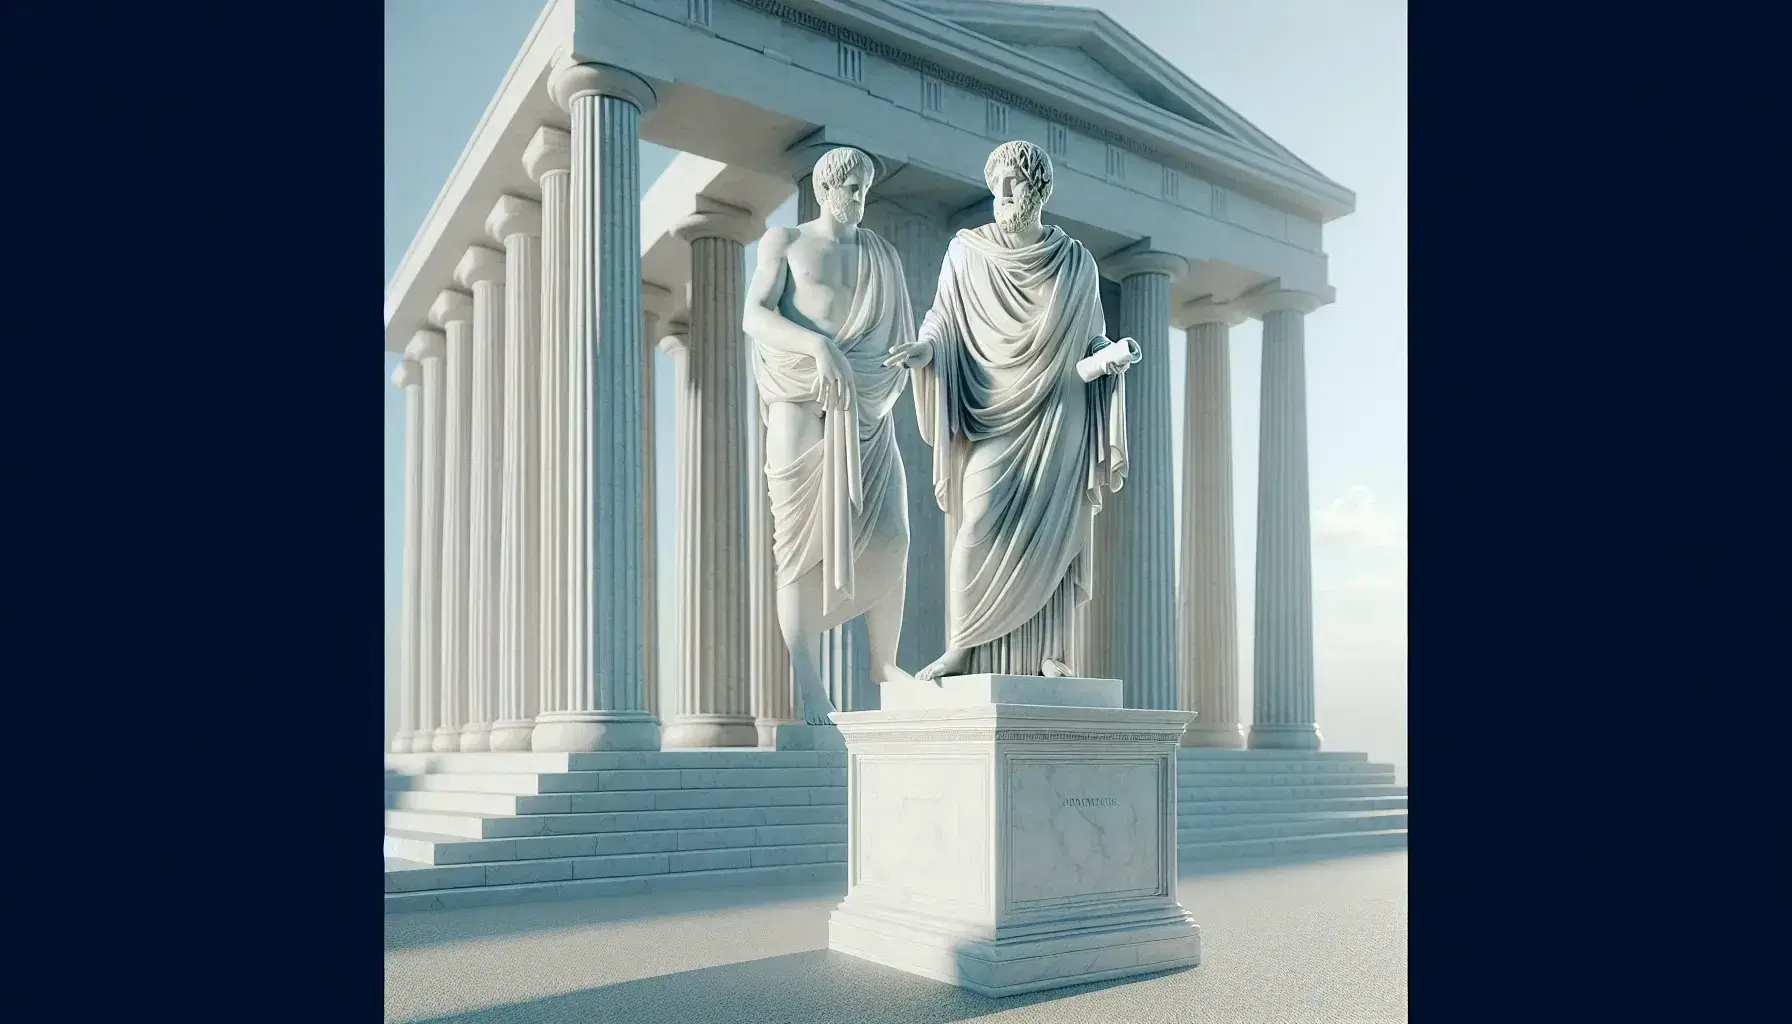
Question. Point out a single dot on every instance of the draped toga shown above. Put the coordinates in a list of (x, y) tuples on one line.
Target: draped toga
[(844, 491), (1023, 448)]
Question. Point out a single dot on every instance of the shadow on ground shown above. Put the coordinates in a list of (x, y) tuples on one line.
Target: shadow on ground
[(416, 929), (800, 988)]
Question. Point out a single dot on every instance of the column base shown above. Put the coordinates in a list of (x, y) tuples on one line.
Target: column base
[(709, 730), (580, 731), (512, 734), (401, 744), (1216, 735), (1284, 737), (475, 737), (768, 729), (445, 740)]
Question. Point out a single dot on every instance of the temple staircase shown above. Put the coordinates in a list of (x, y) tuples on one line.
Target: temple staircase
[(478, 829)]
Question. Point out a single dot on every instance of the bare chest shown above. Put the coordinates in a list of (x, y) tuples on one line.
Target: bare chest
[(824, 277)]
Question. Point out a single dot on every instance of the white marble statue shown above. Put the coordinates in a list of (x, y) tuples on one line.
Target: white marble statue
[(826, 306), (1020, 393)]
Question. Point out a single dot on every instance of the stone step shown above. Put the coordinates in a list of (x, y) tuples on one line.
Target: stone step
[(1186, 795), (1201, 767), (620, 800), (444, 849), (531, 762), (523, 784), (587, 888), (1363, 821), (1233, 808), (1208, 780), (410, 876), (483, 825), (1293, 846)]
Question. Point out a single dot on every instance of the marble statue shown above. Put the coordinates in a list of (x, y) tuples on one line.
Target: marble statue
[(1021, 394), (827, 304)]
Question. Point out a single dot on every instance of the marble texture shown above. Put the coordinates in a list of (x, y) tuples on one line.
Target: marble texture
[(1008, 848), (993, 688)]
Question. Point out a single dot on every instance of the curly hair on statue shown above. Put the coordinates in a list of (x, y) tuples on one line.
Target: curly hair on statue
[(836, 164), (1029, 160)]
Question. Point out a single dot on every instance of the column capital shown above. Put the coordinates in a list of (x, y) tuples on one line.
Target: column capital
[(428, 344), (570, 81), (1273, 298), (676, 337), (713, 219), (1132, 261), (549, 150), (513, 215), (408, 374), (479, 263), (1205, 310), (449, 307)]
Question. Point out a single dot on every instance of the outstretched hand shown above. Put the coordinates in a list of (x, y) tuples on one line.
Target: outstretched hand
[(911, 354)]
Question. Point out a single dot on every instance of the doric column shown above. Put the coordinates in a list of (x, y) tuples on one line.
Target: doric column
[(656, 303), (517, 224), (548, 159), (1283, 714), (674, 340), (1207, 597), (604, 372), (408, 378), (453, 312), (481, 271), (1138, 620), (426, 349), (715, 706)]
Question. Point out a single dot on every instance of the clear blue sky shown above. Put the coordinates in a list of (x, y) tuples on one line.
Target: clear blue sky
[(1325, 79)]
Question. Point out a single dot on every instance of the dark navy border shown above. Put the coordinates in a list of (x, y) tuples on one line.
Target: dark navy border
[(193, 401)]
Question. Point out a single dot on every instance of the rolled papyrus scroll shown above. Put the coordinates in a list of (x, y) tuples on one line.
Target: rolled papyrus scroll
[(1109, 358)]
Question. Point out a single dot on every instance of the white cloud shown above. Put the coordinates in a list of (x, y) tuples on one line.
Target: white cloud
[(1356, 520)]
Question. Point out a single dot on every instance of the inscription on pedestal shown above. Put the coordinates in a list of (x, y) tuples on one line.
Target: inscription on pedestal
[(1084, 831)]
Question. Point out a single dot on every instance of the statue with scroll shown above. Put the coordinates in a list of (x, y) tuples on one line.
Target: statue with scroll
[(826, 306), (1021, 395)]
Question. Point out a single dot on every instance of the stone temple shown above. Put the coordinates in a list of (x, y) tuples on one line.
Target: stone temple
[(531, 758)]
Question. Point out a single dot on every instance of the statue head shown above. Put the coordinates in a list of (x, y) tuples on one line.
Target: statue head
[(1019, 176), (842, 177)]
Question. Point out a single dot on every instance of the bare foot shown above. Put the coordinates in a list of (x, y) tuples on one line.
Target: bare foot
[(1052, 668), (951, 663), (817, 706)]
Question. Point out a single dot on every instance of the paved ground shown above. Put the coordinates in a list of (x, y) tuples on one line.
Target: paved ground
[(1311, 943)]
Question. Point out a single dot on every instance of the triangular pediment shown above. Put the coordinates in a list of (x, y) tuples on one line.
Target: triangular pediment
[(1090, 46)]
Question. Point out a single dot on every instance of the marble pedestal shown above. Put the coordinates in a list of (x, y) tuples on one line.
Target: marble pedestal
[(1012, 833)]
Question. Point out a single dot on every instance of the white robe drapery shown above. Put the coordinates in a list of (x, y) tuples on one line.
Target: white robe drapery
[(1023, 448), (842, 493)]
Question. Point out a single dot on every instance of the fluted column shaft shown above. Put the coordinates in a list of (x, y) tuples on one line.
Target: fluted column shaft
[(715, 705), (650, 591), (485, 494), (518, 223), (773, 685), (426, 348), (408, 378), (548, 160), (1139, 620), (1283, 714), (1207, 599), (451, 700), (604, 473)]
